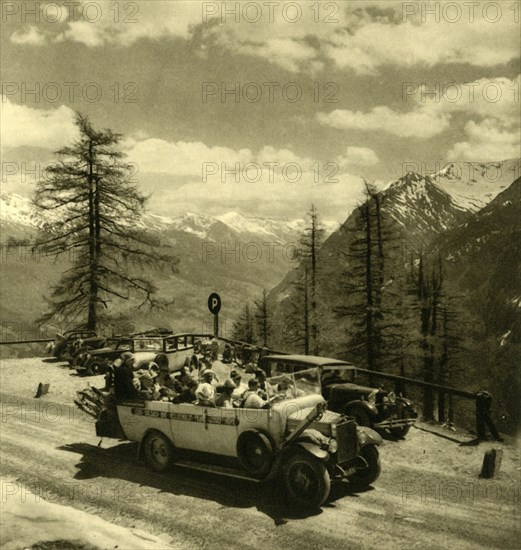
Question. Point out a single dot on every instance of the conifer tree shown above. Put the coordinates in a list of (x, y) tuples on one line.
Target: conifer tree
[(99, 206)]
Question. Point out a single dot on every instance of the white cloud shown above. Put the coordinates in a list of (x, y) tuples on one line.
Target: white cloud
[(432, 42), (355, 37), (487, 141), (496, 98), (420, 123), (358, 156), (363, 40), (279, 199), (433, 108), (125, 23), (83, 32), (289, 54), (182, 158), (32, 36), (242, 180), (25, 126)]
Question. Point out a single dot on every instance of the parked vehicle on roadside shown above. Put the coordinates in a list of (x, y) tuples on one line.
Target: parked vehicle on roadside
[(296, 438), (171, 351), (90, 362), (61, 347), (376, 408)]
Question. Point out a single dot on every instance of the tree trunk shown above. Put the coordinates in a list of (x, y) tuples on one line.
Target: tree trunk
[(306, 313), (369, 290), (93, 287)]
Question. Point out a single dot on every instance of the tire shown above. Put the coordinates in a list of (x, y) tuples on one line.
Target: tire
[(366, 477), (400, 433), (255, 453), (306, 480), (96, 368), (61, 354), (361, 416), (159, 452)]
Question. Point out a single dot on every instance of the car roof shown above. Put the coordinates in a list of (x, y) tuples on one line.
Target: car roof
[(311, 360)]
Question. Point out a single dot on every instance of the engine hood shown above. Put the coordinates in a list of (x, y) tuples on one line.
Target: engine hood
[(103, 351), (144, 357), (354, 388)]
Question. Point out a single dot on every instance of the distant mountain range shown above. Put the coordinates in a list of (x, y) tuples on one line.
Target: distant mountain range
[(238, 256), (476, 241), (235, 255), (17, 212), (472, 185), (427, 210)]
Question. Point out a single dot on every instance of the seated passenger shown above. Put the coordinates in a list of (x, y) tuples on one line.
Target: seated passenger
[(187, 395), (288, 390), (124, 384), (240, 387), (184, 376), (205, 392), (251, 398), (149, 389), (264, 386), (166, 383), (225, 399)]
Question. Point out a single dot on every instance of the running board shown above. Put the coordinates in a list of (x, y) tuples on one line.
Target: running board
[(212, 469)]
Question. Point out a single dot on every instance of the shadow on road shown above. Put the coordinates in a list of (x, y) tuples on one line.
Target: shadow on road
[(119, 462)]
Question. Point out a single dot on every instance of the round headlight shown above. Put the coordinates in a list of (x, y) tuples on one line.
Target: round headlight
[(333, 445)]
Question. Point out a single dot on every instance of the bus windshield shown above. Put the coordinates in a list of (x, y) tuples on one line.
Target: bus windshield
[(292, 385)]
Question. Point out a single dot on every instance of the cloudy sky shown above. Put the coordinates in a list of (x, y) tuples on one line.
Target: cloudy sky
[(304, 98)]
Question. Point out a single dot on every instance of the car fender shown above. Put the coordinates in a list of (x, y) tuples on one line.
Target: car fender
[(313, 449), (367, 436), (369, 407)]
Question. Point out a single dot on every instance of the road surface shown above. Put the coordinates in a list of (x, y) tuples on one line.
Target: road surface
[(428, 496)]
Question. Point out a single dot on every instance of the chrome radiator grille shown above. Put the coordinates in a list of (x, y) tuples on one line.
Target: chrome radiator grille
[(347, 440)]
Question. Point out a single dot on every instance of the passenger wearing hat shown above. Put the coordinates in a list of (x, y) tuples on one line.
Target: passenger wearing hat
[(265, 389), (208, 375), (166, 382), (124, 387), (148, 388), (224, 399), (251, 398), (240, 387), (205, 393), (187, 395)]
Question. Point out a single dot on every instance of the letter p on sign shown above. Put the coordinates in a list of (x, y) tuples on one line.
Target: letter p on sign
[(214, 303)]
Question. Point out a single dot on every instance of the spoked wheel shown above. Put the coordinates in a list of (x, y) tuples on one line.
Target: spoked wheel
[(364, 477), (306, 480), (159, 452), (255, 452)]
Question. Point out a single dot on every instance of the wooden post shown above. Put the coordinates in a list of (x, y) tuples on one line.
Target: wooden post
[(216, 324), (491, 463)]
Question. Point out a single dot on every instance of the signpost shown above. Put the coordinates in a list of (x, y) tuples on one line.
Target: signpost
[(214, 305)]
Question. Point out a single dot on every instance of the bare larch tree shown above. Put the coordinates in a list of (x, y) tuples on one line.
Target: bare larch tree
[(98, 209)]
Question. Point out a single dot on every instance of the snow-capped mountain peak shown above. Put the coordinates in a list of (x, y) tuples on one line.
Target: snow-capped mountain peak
[(416, 201), (18, 210), (473, 185)]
